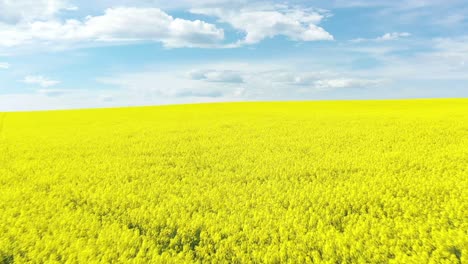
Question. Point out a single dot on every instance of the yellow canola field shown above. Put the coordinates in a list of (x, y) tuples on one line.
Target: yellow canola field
[(289, 182)]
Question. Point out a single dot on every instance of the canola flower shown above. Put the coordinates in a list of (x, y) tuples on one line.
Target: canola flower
[(289, 182)]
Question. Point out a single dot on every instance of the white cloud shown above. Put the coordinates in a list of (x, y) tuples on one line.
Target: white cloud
[(451, 20), (259, 23), (155, 86), (331, 84), (4, 65), (457, 46), (393, 36), (40, 80), (385, 37), (294, 77), (163, 4), (116, 25), (451, 55), (29, 10), (223, 76), (398, 4), (233, 82), (37, 25), (52, 92)]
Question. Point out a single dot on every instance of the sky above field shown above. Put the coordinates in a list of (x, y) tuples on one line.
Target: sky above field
[(57, 54)]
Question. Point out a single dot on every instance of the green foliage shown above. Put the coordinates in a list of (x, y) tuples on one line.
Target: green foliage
[(303, 182)]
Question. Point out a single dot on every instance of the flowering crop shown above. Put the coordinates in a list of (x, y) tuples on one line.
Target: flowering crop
[(291, 182)]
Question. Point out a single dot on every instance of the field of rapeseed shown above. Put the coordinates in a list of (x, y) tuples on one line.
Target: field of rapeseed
[(292, 182)]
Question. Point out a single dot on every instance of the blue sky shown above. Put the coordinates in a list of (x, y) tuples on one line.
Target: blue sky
[(59, 54)]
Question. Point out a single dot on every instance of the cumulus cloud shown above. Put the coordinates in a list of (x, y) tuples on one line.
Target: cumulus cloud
[(265, 22), (40, 80), (4, 65), (37, 23), (120, 24), (29, 10)]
